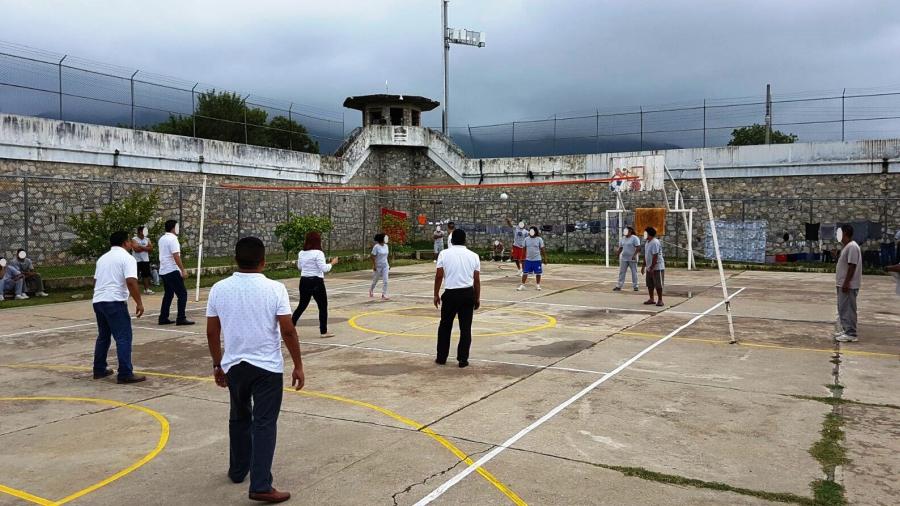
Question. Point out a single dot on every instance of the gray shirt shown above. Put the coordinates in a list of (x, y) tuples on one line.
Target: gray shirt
[(533, 247), (519, 237), (653, 247), (850, 254), (380, 252), (629, 247)]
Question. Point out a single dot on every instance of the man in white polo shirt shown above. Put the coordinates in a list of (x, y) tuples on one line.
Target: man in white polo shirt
[(171, 270), (115, 277), (253, 315), (459, 270)]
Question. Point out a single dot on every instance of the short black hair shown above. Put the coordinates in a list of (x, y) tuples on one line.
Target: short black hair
[(19, 250), (632, 230), (118, 238), (537, 232), (170, 224), (847, 229), (458, 238), (650, 231), (249, 252), (451, 224), (379, 237)]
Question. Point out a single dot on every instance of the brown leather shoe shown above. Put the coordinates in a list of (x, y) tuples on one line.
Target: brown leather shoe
[(271, 496), (134, 378)]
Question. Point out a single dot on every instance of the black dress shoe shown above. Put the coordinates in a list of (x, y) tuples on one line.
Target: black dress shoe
[(184, 322), (440, 362), (166, 322), (105, 374), (464, 363), (134, 378)]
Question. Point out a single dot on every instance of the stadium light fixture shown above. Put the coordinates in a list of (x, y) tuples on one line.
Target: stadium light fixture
[(454, 36)]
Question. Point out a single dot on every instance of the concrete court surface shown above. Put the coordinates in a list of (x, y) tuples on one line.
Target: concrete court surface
[(380, 423)]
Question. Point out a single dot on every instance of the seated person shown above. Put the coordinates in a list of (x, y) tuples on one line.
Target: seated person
[(33, 282), (11, 279), (498, 251)]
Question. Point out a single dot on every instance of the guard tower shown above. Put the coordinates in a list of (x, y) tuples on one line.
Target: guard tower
[(394, 110)]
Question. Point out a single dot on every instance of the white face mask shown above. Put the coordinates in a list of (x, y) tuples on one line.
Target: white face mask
[(385, 239), (2, 262), (22, 255), (496, 243), (177, 229), (646, 236), (144, 231), (438, 229), (521, 224), (839, 235), (531, 233)]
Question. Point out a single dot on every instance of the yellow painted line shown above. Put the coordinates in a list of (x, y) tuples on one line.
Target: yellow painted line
[(770, 346), (550, 322), (490, 478), (163, 439)]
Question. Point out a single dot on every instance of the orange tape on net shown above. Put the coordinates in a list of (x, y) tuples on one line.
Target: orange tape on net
[(427, 186)]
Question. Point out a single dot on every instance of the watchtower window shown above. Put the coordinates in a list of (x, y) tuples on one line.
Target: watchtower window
[(396, 116)]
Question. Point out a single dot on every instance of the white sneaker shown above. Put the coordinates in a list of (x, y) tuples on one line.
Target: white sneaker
[(21, 296), (519, 272), (539, 288), (521, 287), (149, 292), (846, 338), (42, 294), (326, 335)]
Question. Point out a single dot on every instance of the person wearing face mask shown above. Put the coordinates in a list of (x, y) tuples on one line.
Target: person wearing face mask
[(654, 266), (171, 270), (142, 246), (535, 258), (438, 237), (848, 277), (11, 279), (629, 247), (518, 248), (380, 267), (33, 282), (451, 226), (499, 250)]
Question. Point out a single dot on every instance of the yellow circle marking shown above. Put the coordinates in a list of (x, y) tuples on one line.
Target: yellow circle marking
[(163, 439), (420, 427), (549, 322)]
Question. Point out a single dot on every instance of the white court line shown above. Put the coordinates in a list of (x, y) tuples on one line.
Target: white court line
[(553, 412), (55, 329)]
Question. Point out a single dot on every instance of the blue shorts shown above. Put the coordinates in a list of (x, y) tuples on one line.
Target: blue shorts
[(533, 267)]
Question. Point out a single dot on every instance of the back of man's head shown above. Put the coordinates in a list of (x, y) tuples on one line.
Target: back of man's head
[(651, 232), (847, 231), (170, 225), (249, 253), (458, 238), (118, 238)]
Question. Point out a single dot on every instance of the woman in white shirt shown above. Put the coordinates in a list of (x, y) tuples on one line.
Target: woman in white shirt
[(312, 265)]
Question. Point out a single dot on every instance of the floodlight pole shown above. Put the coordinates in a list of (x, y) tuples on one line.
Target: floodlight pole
[(464, 37), (715, 238)]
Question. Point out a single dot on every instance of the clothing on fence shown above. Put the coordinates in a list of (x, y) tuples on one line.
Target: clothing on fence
[(826, 231), (743, 241), (812, 231)]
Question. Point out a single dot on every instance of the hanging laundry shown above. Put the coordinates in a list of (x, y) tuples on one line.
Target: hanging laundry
[(826, 231), (650, 217), (812, 231)]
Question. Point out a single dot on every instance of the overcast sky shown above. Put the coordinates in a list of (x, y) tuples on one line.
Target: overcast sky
[(542, 57)]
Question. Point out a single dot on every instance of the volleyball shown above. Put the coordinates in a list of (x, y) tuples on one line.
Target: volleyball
[(503, 196)]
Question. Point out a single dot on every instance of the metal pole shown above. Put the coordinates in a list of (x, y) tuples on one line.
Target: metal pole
[(245, 119), (513, 146), (843, 93), (472, 141), (330, 220), (446, 41), (291, 126), (180, 205), (200, 240), (194, 111), (60, 87), (704, 122), (240, 204), (642, 128), (132, 98), (598, 130), (27, 223), (567, 226), (554, 134), (715, 238), (768, 114)]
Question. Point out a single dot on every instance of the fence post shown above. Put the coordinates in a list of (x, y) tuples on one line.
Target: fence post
[(194, 111), (132, 98), (704, 122), (598, 130), (330, 232), (60, 86), (567, 226), (513, 146), (180, 204), (364, 242), (843, 93), (554, 134), (472, 141), (641, 110), (291, 126), (109, 194), (240, 209), (27, 223)]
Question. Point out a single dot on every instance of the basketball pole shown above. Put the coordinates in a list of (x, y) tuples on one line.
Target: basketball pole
[(715, 238), (200, 242)]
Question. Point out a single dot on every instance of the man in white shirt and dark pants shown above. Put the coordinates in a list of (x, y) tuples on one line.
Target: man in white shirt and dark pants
[(253, 315), (171, 270), (459, 270), (848, 277), (115, 277)]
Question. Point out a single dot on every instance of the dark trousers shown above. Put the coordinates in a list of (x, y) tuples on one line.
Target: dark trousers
[(113, 321), (174, 285), (458, 302), (313, 287), (253, 423)]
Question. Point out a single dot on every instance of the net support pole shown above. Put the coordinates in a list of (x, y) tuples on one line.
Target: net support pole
[(715, 238), (200, 241), (606, 235)]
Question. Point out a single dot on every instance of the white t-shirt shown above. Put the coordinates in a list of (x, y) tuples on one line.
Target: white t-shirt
[(168, 246), (247, 305), (141, 256), (459, 266), (113, 268), (312, 264), (380, 252)]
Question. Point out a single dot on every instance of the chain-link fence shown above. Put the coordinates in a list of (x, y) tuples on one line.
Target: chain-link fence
[(38, 209), (44, 84)]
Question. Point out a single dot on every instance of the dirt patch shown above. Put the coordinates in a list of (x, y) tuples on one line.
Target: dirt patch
[(557, 349)]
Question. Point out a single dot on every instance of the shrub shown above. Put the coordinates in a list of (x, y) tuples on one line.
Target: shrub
[(293, 232)]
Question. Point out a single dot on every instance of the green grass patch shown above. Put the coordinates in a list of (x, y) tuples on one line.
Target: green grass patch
[(828, 493), (833, 401), (828, 450)]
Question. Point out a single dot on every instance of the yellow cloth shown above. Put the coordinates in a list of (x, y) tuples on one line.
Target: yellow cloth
[(650, 217)]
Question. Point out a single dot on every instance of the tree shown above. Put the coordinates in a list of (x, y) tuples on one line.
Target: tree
[(756, 134), (93, 229), (396, 228), (292, 233), (222, 115)]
